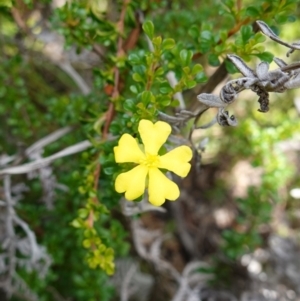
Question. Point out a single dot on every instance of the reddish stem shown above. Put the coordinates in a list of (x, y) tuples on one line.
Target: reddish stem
[(111, 109)]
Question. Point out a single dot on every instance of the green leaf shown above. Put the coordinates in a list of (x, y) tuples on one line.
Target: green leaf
[(175, 103), (265, 56), (134, 59), (141, 69), (246, 32), (7, 3), (206, 41), (147, 97), (110, 269), (213, 60), (204, 47), (259, 37), (148, 28), (103, 209), (207, 26), (281, 19), (200, 78), (133, 89), (166, 102), (196, 69), (129, 105), (292, 18), (223, 35), (141, 106), (76, 223), (191, 84), (83, 213), (159, 71), (86, 243), (165, 88), (136, 77), (252, 11), (230, 67), (194, 32), (186, 70), (109, 252), (157, 41), (186, 57), (168, 44), (109, 170), (206, 35), (220, 48), (229, 3), (98, 7)]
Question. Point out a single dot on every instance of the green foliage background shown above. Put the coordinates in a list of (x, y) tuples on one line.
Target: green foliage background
[(189, 38)]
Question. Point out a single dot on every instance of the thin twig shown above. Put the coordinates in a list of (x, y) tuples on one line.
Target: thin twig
[(125, 288), (40, 144), (111, 108), (28, 167), (35, 250), (219, 75), (75, 76), (10, 231)]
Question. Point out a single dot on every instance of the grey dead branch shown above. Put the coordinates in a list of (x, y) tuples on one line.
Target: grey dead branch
[(33, 257)]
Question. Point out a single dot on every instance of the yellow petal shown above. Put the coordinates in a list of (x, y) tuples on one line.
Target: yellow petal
[(177, 160), (132, 182), (161, 188), (154, 135), (128, 150)]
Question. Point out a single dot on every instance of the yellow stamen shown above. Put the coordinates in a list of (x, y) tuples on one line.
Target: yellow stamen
[(150, 161)]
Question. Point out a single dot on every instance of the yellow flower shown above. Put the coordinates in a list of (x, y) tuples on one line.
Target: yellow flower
[(147, 173)]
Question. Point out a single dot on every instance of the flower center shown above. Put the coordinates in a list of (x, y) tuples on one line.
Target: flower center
[(151, 160)]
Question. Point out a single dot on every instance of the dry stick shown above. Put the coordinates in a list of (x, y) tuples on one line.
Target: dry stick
[(98, 50), (24, 292), (75, 76), (13, 282), (37, 146), (11, 233), (189, 276), (125, 289), (184, 235), (40, 144), (219, 75), (82, 85), (35, 252), (28, 167)]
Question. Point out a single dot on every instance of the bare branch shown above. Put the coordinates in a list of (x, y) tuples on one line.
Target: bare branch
[(40, 144), (76, 77), (126, 290), (25, 168)]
